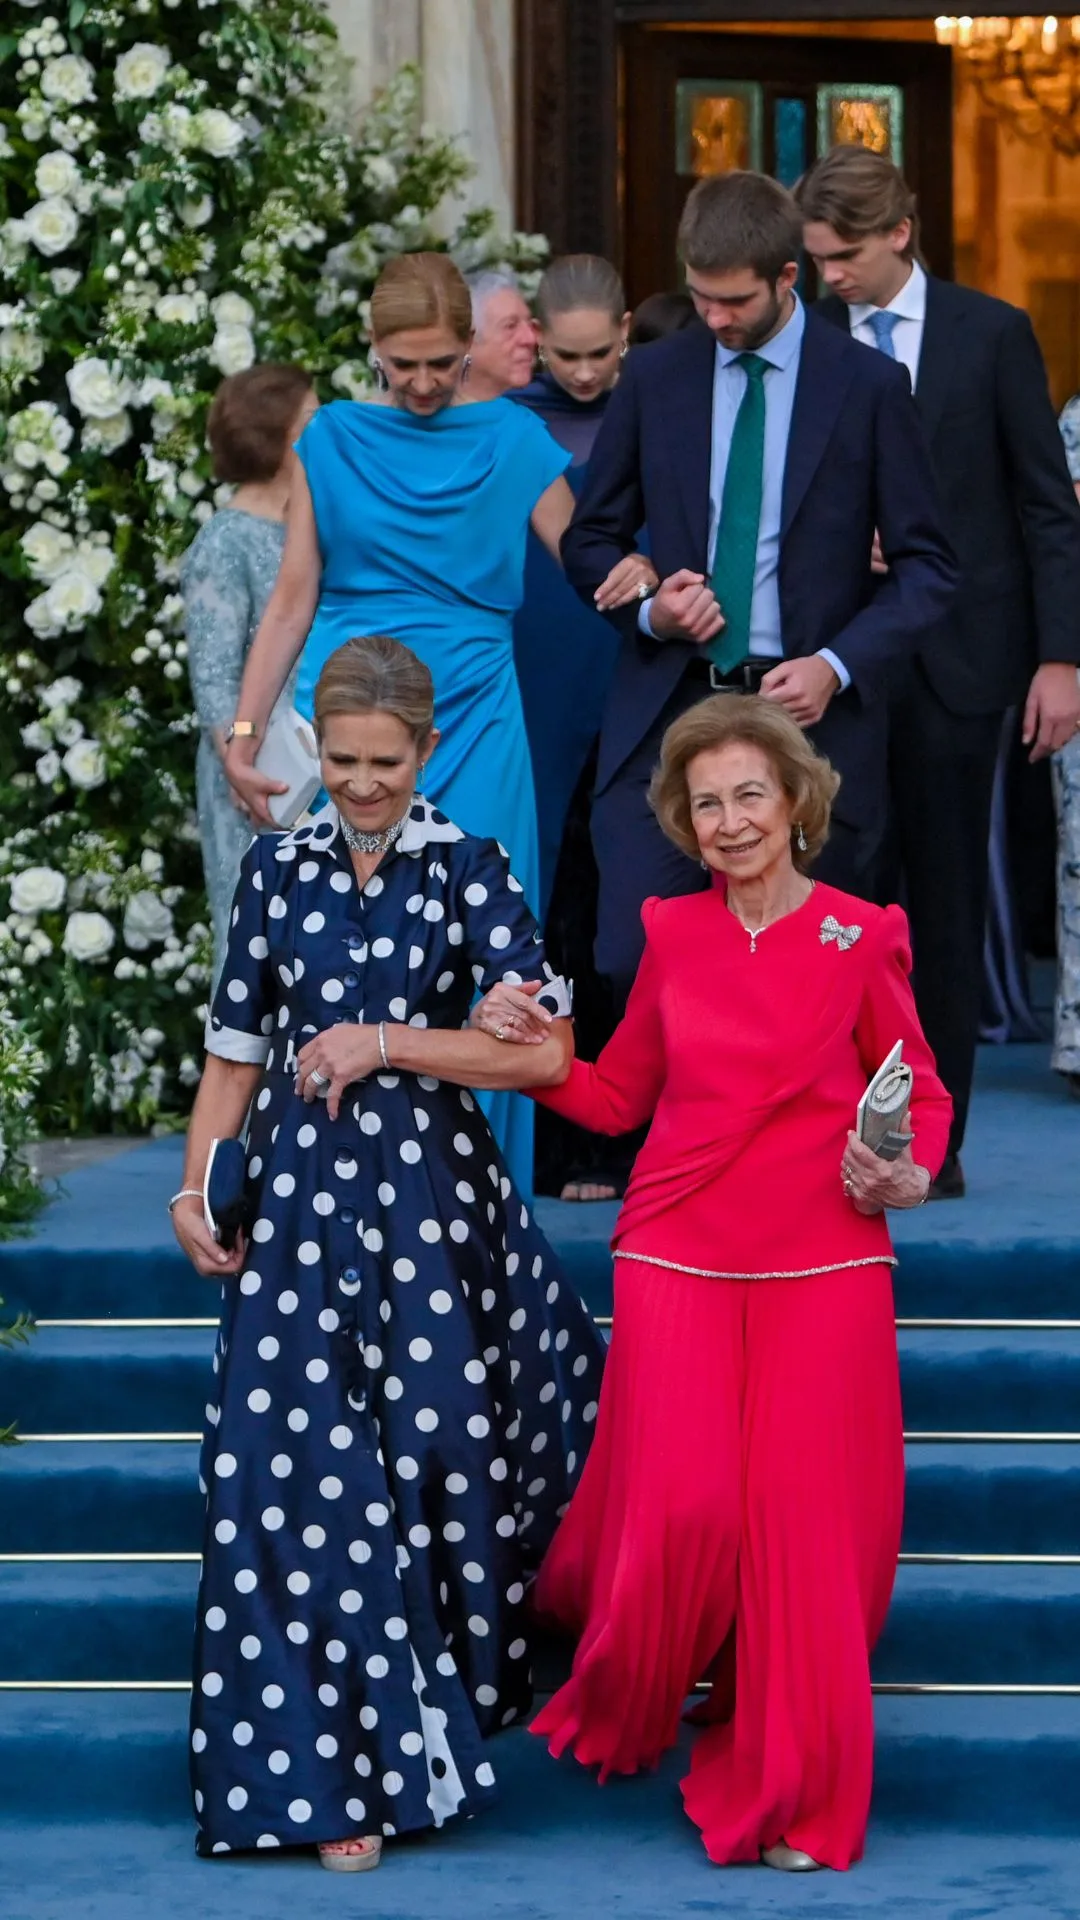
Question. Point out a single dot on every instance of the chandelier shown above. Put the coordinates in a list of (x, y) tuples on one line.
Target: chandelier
[(1027, 70)]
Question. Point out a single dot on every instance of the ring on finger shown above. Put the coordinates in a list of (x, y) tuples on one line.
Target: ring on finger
[(500, 1033), (320, 1081)]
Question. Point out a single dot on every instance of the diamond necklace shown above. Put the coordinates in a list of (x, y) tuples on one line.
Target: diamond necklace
[(381, 842), (756, 932)]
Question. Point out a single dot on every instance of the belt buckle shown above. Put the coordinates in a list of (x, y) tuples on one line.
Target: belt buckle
[(717, 681)]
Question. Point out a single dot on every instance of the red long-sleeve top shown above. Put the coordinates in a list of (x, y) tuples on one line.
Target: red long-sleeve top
[(750, 1065)]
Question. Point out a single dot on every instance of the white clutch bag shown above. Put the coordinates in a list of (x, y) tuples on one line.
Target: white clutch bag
[(290, 752), (883, 1109)]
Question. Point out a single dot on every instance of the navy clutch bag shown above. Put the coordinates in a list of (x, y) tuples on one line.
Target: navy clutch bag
[(225, 1191)]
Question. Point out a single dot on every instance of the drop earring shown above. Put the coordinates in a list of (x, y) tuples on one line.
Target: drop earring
[(465, 366), (800, 837), (379, 371)]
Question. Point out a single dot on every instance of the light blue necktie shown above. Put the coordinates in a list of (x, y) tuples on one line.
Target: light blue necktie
[(881, 325)]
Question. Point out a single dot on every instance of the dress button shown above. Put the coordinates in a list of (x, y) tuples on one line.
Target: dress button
[(351, 979), (350, 1275), (347, 1216)]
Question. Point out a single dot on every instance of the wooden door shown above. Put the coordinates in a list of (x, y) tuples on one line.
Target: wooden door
[(696, 103)]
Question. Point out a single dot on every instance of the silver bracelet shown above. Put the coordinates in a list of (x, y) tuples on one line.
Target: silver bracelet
[(929, 1184), (383, 1055), (185, 1193)]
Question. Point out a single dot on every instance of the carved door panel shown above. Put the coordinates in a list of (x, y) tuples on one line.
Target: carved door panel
[(698, 103)]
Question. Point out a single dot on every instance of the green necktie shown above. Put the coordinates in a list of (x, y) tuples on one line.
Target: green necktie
[(735, 559)]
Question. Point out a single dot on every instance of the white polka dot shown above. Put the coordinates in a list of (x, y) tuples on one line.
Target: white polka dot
[(473, 1572), (373, 1240), (377, 1666), (341, 882), (243, 1733), (284, 1184), (341, 1437), (216, 1618), (250, 1646), (323, 1204), (299, 1811), (276, 909), (269, 1348), (396, 1628), (356, 1810), (262, 1230), (478, 1426), (459, 1232), (314, 1536), (258, 1400), (392, 1782), (427, 1419), (236, 990), (272, 1519), (328, 1694), (410, 1152), (506, 1526), (314, 922), (336, 1651), (498, 1470), (297, 1633), (350, 1602), (225, 1466), (517, 1649), (478, 1625), (316, 1371), (288, 1301), (456, 1483), (485, 1776), (453, 1531), (331, 1487), (198, 1741), (298, 1582), (517, 1320), (281, 1466), (420, 1349), (225, 1531), (404, 1270), (405, 1467), (308, 1253), (382, 948), (246, 1581), (333, 990), (298, 1419), (439, 1301), (212, 1684), (476, 894), (398, 1007), (392, 1387), (434, 910), (237, 1798), (376, 1514), (367, 1716)]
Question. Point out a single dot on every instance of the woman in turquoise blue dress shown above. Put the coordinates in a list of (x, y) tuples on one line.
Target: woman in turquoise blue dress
[(411, 521)]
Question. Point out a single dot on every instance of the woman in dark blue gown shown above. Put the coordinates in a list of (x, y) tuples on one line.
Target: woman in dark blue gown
[(405, 1387)]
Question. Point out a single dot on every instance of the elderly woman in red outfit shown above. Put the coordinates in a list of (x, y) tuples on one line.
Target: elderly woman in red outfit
[(739, 1514)]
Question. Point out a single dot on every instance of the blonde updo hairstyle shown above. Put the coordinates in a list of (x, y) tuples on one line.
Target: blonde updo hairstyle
[(373, 674), (806, 777), (417, 290)]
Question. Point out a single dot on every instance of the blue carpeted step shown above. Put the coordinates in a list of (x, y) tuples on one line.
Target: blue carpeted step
[(1004, 1763), (985, 1625), (156, 1379), (142, 1497)]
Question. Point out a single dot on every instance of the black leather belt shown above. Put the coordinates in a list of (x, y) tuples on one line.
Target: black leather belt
[(745, 678)]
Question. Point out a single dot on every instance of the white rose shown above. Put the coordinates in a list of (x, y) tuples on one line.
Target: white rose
[(232, 349), (36, 736), (42, 621), (68, 731), (51, 225), (380, 173), (56, 174), (23, 352), (180, 309), (217, 133), (38, 890), (88, 936), (147, 921), (96, 559), (48, 768), (45, 549), (71, 601), (96, 389), (232, 310), (104, 436), (60, 693), (69, 79), (140, 71), (64, 281), (54, 461), (152, 390), (191, 483), (197, 213), (84, 764), (152, 863)]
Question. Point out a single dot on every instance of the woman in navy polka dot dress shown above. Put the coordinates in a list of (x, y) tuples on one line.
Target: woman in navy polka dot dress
[(405, 1388)]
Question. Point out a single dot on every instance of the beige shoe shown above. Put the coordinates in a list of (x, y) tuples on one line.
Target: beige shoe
[(334, 1857), (789, 1860)]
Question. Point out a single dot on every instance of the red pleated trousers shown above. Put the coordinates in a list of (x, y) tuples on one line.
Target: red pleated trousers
[(739, 1515)]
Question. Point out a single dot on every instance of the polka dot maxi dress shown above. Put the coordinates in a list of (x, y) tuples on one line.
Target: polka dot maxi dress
[(405, 1388)]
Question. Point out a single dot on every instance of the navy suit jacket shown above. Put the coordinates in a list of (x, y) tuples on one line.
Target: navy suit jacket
[(857, 461)]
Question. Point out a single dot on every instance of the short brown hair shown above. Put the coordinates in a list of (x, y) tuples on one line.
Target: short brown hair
[(420, 290), (806, 777), (374, 674), (740, 220), (250, 420), (857, 193)]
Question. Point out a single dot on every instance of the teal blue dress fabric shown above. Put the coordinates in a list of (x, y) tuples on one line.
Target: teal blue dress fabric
[(422, 526)]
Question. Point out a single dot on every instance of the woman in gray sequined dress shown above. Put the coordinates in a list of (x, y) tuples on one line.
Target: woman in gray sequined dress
[(226, 577)]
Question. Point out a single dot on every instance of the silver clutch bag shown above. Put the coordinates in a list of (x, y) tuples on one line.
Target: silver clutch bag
[(883, 1109), (290, 752)]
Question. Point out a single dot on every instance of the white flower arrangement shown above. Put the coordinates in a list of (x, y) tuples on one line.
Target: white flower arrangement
[(182, 199)]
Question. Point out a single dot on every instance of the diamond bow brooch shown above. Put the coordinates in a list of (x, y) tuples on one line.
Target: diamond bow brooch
[(845, 937)]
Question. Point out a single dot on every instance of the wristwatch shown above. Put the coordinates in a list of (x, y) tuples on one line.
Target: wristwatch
[(240, 730)]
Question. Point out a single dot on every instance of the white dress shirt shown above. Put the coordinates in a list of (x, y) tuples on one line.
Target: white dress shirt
[(910, 307), (782, 355)]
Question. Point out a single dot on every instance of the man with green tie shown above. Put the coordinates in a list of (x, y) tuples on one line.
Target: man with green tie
[(761, 448)]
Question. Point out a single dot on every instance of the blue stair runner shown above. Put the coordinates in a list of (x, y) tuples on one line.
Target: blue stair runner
[(978, 1673)]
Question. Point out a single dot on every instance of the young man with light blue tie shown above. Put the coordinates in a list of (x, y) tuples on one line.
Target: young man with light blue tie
[(761, 448), (1012, 634)]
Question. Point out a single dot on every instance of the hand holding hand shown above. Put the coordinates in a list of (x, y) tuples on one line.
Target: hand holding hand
[(197, 1241), (624, 582), (803, 687), (251, 788), (1052, 712), (872, 1184), (511, 1013), (334, 1060), (686, 608)]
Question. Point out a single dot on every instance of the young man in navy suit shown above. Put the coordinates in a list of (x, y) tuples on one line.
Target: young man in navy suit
[(762, 448), (1012, 634)]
